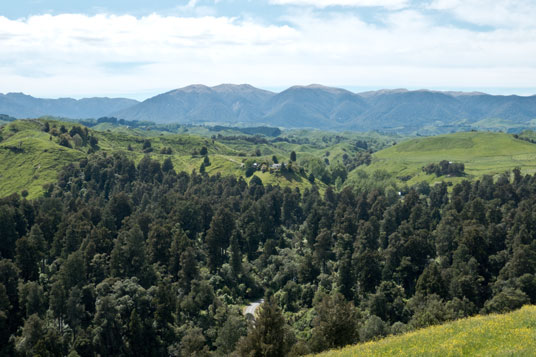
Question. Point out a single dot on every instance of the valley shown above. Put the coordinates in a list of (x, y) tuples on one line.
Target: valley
[(366, 234)]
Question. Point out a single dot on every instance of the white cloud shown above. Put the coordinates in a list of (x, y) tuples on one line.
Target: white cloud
[(79, 55), (391, 4)]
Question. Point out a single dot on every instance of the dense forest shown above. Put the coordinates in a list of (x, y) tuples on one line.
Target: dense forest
[(122, 259)]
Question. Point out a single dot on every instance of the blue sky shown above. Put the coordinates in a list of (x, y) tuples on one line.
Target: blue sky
[(261, 9), (135, 48)]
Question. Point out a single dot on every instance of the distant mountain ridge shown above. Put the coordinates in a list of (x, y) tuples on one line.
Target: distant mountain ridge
[(199, 103), (20, 106), (313, 106), (317, 106)]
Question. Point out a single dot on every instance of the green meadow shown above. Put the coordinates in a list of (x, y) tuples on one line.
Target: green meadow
[(482, 153), (512, 334)]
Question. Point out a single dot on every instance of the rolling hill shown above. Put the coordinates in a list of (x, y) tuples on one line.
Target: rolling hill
[(481, 152), (31, 157), (512, 334)]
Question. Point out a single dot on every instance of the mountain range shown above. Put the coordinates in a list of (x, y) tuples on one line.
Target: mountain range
[(20, 106), (312, 106)]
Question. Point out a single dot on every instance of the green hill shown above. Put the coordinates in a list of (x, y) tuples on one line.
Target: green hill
[(512, 334), (481, 153), (31, 157)]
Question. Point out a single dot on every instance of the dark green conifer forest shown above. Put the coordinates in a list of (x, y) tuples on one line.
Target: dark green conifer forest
[(118, 259)]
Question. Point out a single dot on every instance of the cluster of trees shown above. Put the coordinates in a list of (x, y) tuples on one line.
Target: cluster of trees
[(113, 120), (125, 259), (311, 168), (526, 135), (78, 136), (4, 117), (257, 130), (353, 161), (445, 167), (330, 174), (257, 139)]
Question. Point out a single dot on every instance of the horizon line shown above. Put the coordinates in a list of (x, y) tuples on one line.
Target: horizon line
[(359, 90)]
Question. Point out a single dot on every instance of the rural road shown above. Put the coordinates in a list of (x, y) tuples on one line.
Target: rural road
[(251, 308)]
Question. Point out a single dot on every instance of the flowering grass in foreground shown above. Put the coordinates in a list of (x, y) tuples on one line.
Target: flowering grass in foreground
[(512, 334)]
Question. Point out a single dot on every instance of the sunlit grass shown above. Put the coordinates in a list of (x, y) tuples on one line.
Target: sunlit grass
[(481, 152), (512, 334), (31, 158)]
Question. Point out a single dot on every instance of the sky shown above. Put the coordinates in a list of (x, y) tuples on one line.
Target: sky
[(137, 49)]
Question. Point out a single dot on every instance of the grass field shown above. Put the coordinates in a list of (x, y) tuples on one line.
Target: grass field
[(31, 158), (512, 334), (481, 152)]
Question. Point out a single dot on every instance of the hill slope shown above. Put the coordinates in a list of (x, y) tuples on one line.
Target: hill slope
[(512, 334), (481, 152), (31, 157)]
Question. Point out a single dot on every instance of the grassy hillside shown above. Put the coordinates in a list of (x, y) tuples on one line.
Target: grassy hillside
[(31, 157), (307, 143), (512, 334), (481, 152)]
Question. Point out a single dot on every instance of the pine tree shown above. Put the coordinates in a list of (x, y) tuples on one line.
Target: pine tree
[(179, 243), (218, 237), (293, 156), (167, 166), (134, 335), (57, 301), (270, 336), (346, 278), (236, 254), (322, 249), (74, 310), (336, 323), (128, 255), (189, 270), (26, 259)]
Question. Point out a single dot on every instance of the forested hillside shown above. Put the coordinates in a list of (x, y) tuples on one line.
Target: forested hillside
[(123, 258)]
